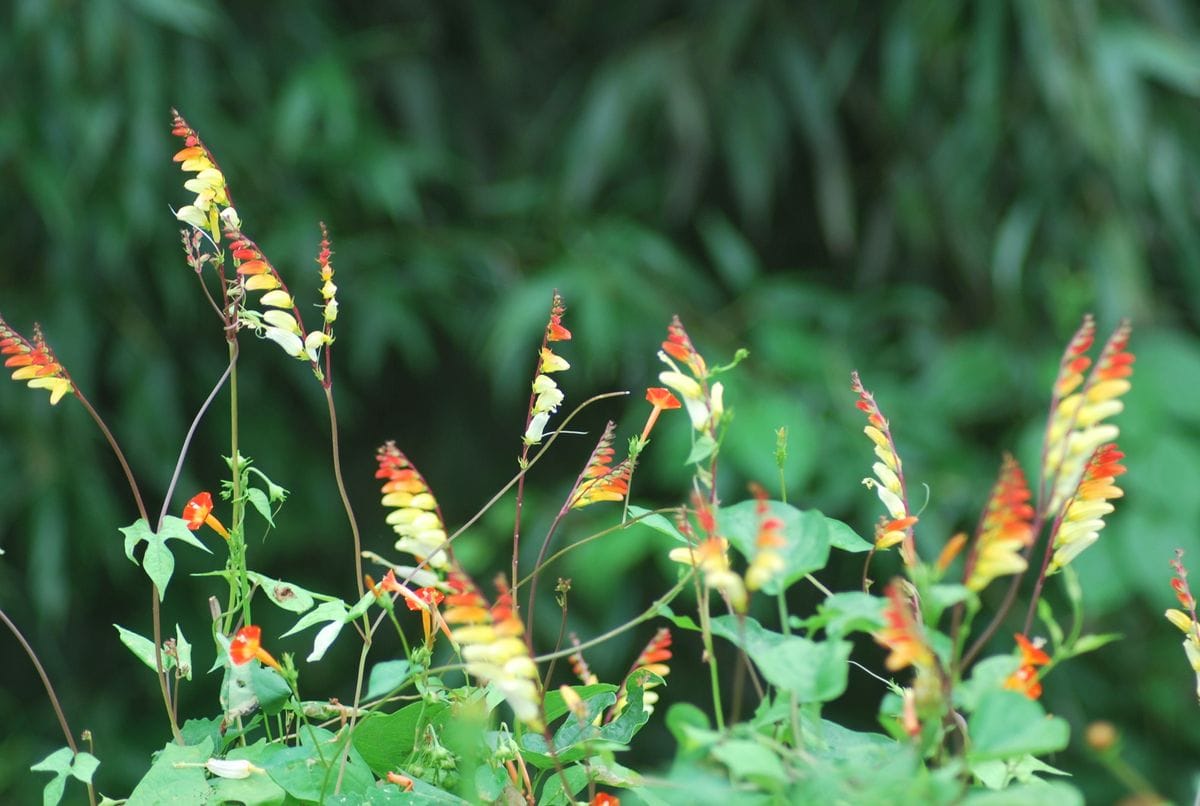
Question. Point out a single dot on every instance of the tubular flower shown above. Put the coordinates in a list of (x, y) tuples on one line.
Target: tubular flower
[(278, 320), (902, 635), (415, 516), (34, 361), (491, 645), (1006, 529), (546, 397), (1083, 518), (1080, 406), (768, 563), (711, 557), (1025, 678), (426, 600), (1186, 621), (212, 194), (247, 646), (198, 512), (653, 659), (889, 478), (601, 480), (704, 403), (579, 666), (662, 400)]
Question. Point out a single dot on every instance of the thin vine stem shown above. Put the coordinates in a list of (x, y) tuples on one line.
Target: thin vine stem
[(341, 485)]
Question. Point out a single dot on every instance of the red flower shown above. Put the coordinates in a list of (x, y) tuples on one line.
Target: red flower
[(247, 645), (430, 596), (605, 799), (1025, 678), (661, 399), (198, 511)]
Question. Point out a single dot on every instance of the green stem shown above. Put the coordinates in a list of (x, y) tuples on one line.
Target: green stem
[(341, 485), (714, 677), (237, 535)]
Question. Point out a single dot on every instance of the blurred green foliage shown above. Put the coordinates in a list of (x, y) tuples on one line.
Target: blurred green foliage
[(932, 192)]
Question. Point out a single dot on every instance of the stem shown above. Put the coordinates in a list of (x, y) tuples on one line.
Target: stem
[(362, 667), (341, 485), (116, 449), (187, 442), (710, 656), (238, 533)]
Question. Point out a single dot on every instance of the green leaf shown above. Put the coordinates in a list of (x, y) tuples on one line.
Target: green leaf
[(169, 785), (555, 706), (683, 622), (843, 537), (751, 761), (987, 675), (1090, 643), (387, 677), (656, 521), (814, 671), (844, 613), (577, 739), (1010, 725), (553, 795), (286, 595), (158, 562), (806, 535), (382, 739), (690, 727), (301, 771), (702, 448), (1039, 793), (258, 500), (143, 649), (326, 611), (271, 690), (998, 774), (59, 763)]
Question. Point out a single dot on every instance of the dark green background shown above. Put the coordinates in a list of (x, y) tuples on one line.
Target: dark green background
[(932, 192)]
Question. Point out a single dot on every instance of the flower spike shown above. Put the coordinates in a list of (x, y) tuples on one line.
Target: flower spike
[(768, 563), (1005, 531), (35, 362), (902, 635), (710, 556), (1080, 407), (889, 478), (653, 659), (492, 648), (1083, 518), (704, 403), (1186, 622), (416, 516), (600, 480), (546, 397), (212, 204)]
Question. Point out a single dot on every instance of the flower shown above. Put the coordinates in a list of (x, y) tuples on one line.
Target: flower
[(403, 781), (889, 478), (901, 635), (247, 646), (212, 193), (600, 480), (653, 659), (711, 557), (554, 328), (415, 516), (662, 400), (1025, 678), (1081, 522), (1080, 406), (768, 563), (605, 799), (546, 397), (704, 403), (1005, 530), (1186, 621), (35, 362), (231, 768), (491, 645), (198, 512)]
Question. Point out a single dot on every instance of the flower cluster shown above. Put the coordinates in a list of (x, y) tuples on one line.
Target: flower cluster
[(1005, 530), (1186, 621), (546, 396), (888, 483), (704, 402), (34, 361), (491, 645), (710, 555), (653, 659), (1083, 518), (902, 636), (1080, 406), (1025, 678), (601, 480), (212, 204), (415, 516), (768, 563)]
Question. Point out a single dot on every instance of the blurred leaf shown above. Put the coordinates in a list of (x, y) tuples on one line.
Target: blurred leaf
[(1008, 725), (806, 535), (814, 671)]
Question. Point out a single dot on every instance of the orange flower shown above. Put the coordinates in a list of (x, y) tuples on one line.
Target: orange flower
[(600, 480), (1081, 522), (1006, 529), (768, 563), (1025, 678), (902, 635), (605, 799), (247, 645), (1080, 406), (1186, 621), (403, 781), (212, 203), (704, 403), (889, 478), (416, 517), (653, 659), (554, 328), (431, 597), (661, 399), (198, 511), (34, 361), (546, 397)]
